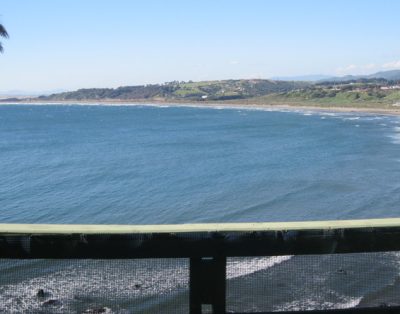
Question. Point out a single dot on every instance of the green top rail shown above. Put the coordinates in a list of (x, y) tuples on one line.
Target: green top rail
[(191, 240), (188, 228)]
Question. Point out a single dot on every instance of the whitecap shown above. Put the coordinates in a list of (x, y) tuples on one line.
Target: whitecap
[(395, 136), (318, 303), (246, 266), (351, 118), (373, 118)]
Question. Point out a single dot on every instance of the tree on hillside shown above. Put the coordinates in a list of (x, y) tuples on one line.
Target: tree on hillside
[(3, 33)]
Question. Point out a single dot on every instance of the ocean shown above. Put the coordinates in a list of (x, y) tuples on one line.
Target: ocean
[(149, 164)]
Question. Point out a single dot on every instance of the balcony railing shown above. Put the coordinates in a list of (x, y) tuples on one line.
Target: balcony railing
[(208, 247)]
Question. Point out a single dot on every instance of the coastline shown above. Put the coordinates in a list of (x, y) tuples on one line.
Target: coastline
[(218, 105)]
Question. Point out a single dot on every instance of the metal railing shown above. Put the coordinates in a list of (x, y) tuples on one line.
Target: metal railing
[(207, 246)]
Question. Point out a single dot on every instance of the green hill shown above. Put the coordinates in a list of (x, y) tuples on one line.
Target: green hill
[(195, 91)]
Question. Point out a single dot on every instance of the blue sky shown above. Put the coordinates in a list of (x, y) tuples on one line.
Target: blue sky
[(70, 44)]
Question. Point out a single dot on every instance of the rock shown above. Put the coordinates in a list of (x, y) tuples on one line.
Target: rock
[(137, 286), (51, 302), (40, 293)]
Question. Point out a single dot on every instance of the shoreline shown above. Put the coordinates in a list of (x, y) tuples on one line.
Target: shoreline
[(217, 105)]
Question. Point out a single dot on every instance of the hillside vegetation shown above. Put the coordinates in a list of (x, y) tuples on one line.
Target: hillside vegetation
[(378, 93), (193, 91)]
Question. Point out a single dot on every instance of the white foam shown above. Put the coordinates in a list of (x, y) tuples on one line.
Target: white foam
[(317, 302), (395, 136), (373, 118), (101, 280), (246, 266)]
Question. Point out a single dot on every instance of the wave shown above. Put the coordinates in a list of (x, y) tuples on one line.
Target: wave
[(373, 118), (351, 118), (331, 114), (316, 303), (396, 135), (245, 266)]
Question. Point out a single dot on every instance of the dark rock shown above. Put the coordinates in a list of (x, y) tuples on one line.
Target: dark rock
[(51, 302), (137, 286), (40, 293)]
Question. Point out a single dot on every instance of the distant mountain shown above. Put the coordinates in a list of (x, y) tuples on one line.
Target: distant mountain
[(387, 75), (304, 78)]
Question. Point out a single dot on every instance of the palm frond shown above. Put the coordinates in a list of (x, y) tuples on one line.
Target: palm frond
[(1, 48), (3, 31)]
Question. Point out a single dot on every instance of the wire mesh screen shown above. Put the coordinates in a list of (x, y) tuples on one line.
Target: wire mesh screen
[(77, 269), (94, 286), (313, 282)]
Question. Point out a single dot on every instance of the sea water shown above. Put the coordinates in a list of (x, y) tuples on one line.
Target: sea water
[(156, 165), (141, 164)]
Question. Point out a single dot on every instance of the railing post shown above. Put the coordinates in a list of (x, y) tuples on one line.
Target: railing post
[(207, 284)]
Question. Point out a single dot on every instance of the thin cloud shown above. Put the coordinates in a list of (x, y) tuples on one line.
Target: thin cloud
[(347, 69), (370, 66), (392, 65)]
